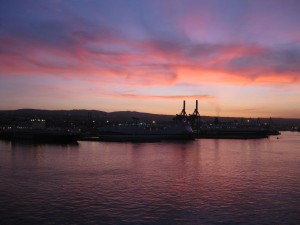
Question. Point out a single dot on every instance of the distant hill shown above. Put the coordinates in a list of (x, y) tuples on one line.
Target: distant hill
[(129, 115), (84, 114)]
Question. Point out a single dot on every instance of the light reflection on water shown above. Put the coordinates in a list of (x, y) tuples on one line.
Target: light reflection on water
[(201, 182)]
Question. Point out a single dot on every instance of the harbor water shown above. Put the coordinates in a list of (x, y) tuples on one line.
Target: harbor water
[(206, 181)]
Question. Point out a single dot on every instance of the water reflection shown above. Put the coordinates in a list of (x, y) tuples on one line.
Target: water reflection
[(199, 182), (34, 144)]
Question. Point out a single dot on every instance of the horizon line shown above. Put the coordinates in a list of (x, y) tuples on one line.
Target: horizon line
[(145, 113)]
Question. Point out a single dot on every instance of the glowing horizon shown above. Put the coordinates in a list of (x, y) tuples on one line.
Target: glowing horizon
[(238, 58)]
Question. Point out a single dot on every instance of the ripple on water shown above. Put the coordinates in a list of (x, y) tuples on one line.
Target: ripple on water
[(202, 182)]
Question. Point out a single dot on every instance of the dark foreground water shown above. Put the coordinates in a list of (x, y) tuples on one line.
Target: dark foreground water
[(199, 182)]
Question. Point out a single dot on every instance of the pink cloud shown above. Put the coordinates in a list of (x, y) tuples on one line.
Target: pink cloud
[(152, 63)]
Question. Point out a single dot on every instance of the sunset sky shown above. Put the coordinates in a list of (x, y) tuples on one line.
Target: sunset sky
[(237, 57)]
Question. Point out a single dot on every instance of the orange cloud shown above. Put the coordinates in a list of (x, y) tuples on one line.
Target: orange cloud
[(165, 97)]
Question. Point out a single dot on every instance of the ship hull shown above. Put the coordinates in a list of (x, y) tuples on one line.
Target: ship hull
[(39, 136), (143, 137), (232, 133), (146, 133)]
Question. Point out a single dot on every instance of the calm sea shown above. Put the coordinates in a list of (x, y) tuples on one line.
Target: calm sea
[(199, 182)]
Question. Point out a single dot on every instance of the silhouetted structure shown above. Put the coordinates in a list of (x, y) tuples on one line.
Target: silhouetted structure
[(138, 131), (195, 117), (182, 116)]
